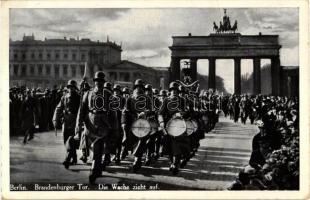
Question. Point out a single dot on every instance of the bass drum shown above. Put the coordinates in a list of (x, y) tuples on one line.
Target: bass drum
[(154, 126), (141, 128), (189, 127), (176, 127)]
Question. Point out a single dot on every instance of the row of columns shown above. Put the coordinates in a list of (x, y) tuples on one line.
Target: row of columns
[(275, 73)]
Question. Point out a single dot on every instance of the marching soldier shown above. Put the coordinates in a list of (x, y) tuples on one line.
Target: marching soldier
[(126, 140), (66, 113), (136, 106), (152, 117), (93, 113), (84, 87), (116, 107), (179, 146)]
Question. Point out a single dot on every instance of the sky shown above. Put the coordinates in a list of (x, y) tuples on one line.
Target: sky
[(145, 34)]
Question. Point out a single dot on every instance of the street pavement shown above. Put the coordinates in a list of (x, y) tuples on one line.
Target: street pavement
[(222, 154)]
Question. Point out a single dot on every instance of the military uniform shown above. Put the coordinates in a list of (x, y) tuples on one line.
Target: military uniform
[(116, 106), (134, 108), (94, 114), (178, 147), (66, 113)]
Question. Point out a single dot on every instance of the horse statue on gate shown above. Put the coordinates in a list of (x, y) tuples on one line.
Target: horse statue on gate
[(225, 25), (215, 28), (235, 26)]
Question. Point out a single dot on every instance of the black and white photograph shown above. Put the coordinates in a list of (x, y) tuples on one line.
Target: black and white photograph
[(154, 99)]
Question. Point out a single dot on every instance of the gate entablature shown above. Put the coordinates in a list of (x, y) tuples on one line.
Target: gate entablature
[(226, 44)]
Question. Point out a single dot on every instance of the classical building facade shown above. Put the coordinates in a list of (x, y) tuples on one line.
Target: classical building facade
[(37, 63)]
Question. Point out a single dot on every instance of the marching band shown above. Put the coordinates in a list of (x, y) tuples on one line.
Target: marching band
[(111, 121)]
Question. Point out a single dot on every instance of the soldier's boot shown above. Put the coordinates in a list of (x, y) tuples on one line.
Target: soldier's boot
[(148, 160), (74, 157), (67, 162), (124, 153), (106, 161), (31, 135), (174, 167), (95, 171), (184, 161), (117, 158), (84, 156), (136, 164)]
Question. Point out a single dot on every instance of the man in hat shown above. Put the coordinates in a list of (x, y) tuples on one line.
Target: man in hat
[(66, 113), (263, 143), (126, 138), (151, 117), (94, 114), (136, 106), (116, 106), (176, 147), (28, 114)]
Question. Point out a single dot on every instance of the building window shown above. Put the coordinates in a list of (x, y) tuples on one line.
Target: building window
[(40, 56), (73, 56), (15, 55), (82, 69), (40, 69), (24, 56), (83, 57), (56, 70), (24, 70), (48, 69), (73, 70), (65, 70), (48, 56), (32, 69), (124, 76), (57, 56), (113, 75), (65, 56), (15, 69), (33, 56)]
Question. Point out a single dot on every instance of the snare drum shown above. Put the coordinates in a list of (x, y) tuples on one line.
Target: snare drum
[(176, 127), (141, 128)]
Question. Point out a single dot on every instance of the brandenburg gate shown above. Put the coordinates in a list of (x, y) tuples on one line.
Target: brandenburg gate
[(221, 45)]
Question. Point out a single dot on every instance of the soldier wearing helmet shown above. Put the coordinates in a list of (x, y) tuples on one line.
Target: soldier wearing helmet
[(94, 114), (66, 112), (176, 147), (116, 106), (152, 118), (136, 107), (108, 86)]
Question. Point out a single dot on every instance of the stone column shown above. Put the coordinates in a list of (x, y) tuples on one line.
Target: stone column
[(237, 75), (256, 76), (61, 72), (193, 67), (174, 69), (275, 75), (212, 83)]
